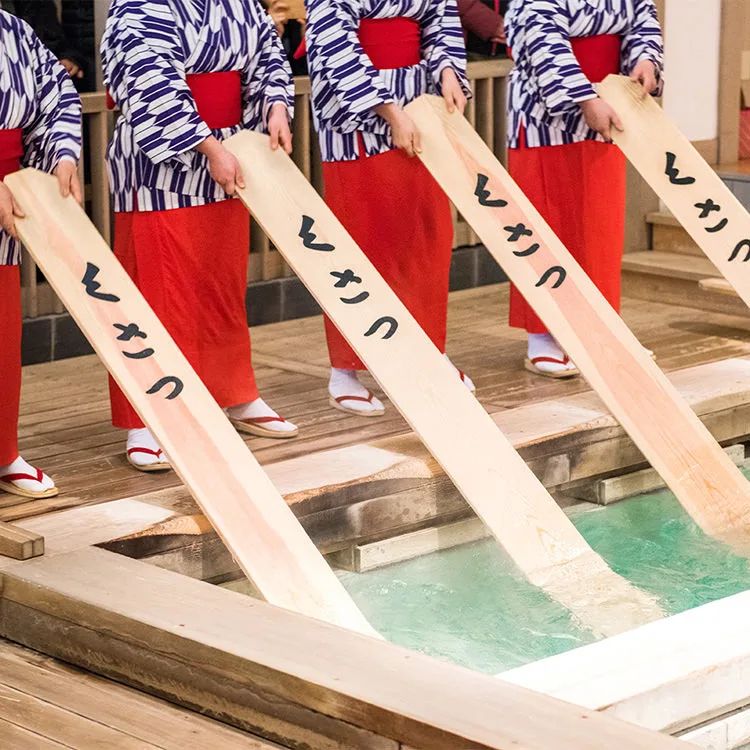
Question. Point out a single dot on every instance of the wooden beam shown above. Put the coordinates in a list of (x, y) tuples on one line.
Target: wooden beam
[(210, 457), (423, 385), (734, 17), (279, 674), (667, 675), (18, 543), (609, 356)]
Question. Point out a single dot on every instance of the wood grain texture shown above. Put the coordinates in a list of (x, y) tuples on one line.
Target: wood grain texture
[(422, 384), (18, 543), (205, 450), (611, 359), (278, 672)]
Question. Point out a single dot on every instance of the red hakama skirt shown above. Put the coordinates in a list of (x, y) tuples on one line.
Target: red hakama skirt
[(11, 150), (394, 209), (579, 189), (190, 264)]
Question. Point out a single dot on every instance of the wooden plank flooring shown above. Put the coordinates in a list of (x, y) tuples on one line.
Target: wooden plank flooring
[(45, 703), (65, 411)]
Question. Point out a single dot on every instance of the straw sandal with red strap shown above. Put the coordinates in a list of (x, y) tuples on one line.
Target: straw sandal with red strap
[(8, 484), (338, 403), (161, 465), (531, 366), (254, 426)]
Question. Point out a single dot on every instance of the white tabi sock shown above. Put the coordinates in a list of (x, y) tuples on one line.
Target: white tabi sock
[(465, 379), (346, 383), (545, 345), (143, 438), (259, 409), (20, 466)]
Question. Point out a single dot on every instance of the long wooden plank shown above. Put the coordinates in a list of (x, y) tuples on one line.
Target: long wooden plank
[(210, 457), (690, 188), (278, 673), (459, 433), (616, 366)]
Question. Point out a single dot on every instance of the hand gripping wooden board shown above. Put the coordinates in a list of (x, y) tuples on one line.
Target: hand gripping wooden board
[(678, 174), (458, 432), (616, 366), (212, 460)]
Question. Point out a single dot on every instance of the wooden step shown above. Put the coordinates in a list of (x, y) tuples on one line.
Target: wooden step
[(674, 278), (667, 235)]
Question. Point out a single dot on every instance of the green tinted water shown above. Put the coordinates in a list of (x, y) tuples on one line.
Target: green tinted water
[(470, 606)]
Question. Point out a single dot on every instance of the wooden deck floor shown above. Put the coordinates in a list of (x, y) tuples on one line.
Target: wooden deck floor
[(48, 705), (65, 412)]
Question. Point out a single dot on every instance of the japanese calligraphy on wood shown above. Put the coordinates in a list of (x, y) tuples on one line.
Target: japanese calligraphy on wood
[(617, 367), (455, 428), (691, 189), (232, 489)]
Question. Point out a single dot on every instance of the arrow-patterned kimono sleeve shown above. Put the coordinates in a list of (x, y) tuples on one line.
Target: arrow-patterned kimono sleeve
[(443, 43), (54, 132), (145, 73), (643, 40)]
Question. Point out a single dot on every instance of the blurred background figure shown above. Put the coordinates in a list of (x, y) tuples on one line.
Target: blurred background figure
[(68, 34), (288, 17), (483, 21)]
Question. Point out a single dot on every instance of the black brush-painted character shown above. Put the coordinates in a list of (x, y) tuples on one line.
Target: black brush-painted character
[(673, 173), (483, 194), (308, 237), (549, 273), (176, 383), (391, 322), (92, 286)]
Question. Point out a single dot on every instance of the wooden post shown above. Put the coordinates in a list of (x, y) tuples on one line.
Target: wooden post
[(455, 428), (232, 489), (620, 370)]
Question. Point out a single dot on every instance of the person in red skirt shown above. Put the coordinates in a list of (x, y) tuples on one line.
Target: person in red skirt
[(560, 131), (187, 74), (367, 60), (40, 126)]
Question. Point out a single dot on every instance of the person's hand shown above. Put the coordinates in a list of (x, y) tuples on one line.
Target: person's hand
[(68, 180), (452, 92), (222, 165), (279, 12), (403, 130), (645, 74), (278, 128), (499, 36), (9, 211), (601, 117), (73, 68)]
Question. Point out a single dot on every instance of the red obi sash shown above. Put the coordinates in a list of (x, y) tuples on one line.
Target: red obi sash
[(11, 151), (598, 56), (217, 96), (391, 42)]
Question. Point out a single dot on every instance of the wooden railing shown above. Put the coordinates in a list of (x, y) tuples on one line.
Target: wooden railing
[(486, 112)]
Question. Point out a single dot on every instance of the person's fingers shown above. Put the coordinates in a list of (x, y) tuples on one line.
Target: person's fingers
[(239, 178), (448, 98), (273, 134), (286, 140), (417, 142), (230, 187), (75, 188), (617, 122), (63, 179), (80, 73), (17, 210), (8, 224)]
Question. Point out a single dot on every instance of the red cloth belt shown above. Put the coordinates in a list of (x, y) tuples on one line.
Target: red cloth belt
[(11, 151), (598, 56), (217, 96), (391, 42), (388, 42)]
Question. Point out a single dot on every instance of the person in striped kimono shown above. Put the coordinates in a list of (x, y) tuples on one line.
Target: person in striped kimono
[(187, 74), (367, 60), (40, 126), (560, 131)]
